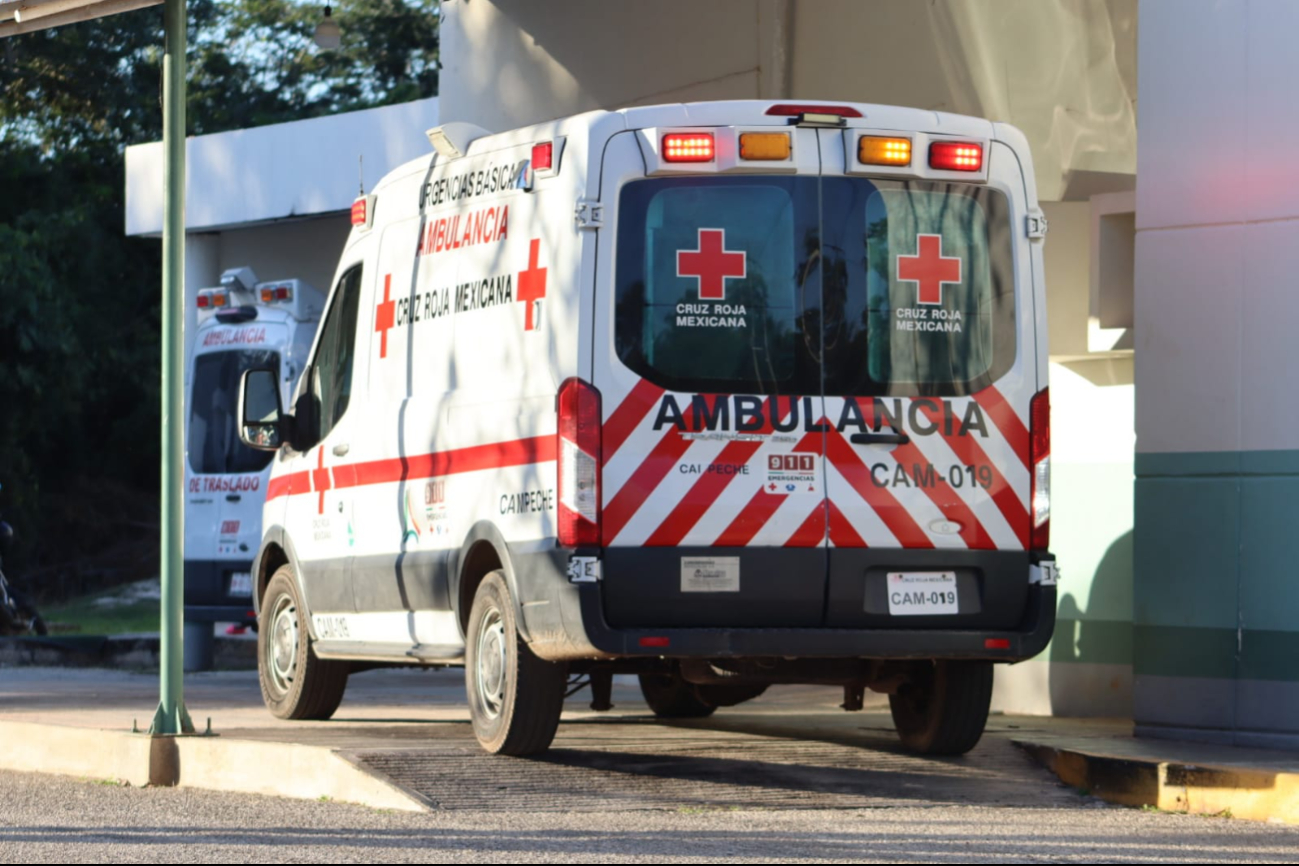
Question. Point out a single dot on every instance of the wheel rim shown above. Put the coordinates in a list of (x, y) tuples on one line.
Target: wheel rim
[(490, 663), (282, 644)]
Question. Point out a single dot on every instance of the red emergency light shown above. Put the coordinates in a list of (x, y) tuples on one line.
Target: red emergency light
[(543, 156), (956, 156), (688, 147), (358, 211)]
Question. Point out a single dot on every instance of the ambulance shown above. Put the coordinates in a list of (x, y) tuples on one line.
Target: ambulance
[(722, 395), (242, 324)]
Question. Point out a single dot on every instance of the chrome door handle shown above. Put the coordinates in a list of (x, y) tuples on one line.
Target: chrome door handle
[(341, 449)]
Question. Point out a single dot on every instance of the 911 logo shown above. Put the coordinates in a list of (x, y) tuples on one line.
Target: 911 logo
[(791, 463)]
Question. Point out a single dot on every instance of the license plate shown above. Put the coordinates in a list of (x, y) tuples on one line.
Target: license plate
[(241, 584), (923, 593)]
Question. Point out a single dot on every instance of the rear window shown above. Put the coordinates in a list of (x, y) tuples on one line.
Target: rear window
[(213, 444), (843, 286)]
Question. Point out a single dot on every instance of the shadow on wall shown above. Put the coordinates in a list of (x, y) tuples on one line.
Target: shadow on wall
[(1091, 658)]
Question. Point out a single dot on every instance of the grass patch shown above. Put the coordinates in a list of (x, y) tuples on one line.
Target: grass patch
[(88, 616)]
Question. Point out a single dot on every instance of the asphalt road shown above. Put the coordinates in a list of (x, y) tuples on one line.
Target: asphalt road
[(51, 819)]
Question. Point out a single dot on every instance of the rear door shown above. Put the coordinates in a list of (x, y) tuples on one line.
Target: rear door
[(707, 357), (929, 373)]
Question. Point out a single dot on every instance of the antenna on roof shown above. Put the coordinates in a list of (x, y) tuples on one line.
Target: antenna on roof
[(360, 171)]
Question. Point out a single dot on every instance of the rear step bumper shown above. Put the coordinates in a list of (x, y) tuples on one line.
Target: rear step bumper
[(569, 623)]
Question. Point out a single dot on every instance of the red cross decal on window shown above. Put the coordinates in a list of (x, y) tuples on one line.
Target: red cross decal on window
[(532, 284), (712, 264), (320, 480), (385, 316), (929, 269)]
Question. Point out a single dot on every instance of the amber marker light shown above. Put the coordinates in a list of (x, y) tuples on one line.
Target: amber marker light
[(764, 145), (881, 150)]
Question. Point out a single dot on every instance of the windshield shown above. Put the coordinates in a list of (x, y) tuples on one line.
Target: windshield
[(842, 286), (214, 447)]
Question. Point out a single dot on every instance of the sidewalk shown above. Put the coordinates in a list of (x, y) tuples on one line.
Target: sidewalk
[(79, 722)]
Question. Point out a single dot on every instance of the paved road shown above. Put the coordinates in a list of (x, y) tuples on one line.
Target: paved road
[(51, 819), (785, 778)]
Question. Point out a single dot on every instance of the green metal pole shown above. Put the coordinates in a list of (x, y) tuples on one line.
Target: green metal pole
[(172, 717)]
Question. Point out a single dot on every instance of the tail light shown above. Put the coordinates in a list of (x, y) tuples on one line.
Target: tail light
[(688, 147), (956, 156), (1039, 434), (579, 464)]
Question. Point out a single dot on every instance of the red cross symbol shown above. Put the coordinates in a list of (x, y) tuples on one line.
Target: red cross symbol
[(385, 316), (320, 480), (929, 269), (711, 264), (532, 283)]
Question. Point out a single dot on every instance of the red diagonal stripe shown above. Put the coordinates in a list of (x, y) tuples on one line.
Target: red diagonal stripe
[(630, 412), (842, 533), (968, 450), (881, 499), (702, 494), (812, 532), (1007, 421), (642, 483), (750, 520), (948, 501)]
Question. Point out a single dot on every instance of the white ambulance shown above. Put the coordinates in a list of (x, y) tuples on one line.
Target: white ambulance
[(242, 325), (722, 394)]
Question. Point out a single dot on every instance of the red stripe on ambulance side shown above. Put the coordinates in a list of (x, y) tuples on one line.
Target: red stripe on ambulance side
[(642, 483), (1007, 421), (948, 501), (287, 485), (842, 533), (702, 494), (630, 412), (812, 532), (968, 451), (751, 519), (895, 517), (498, 455)]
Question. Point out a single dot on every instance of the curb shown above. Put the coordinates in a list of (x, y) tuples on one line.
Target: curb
[(1251, 793), (113, 652), (211, 762)]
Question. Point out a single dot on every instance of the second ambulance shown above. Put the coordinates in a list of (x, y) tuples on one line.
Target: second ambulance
[(721, 394)]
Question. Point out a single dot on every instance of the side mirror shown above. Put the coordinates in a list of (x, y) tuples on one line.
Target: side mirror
[(261, 416)]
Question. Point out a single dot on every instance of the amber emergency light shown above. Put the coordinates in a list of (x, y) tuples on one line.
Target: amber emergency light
[(764, 145), (882, 150)]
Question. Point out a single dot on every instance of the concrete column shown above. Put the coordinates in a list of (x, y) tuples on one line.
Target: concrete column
[(1216, 641)]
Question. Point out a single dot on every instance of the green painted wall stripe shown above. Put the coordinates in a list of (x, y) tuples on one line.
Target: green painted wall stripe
[(1172, 651), (1216, 463)]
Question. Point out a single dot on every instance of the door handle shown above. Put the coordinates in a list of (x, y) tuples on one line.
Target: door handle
[(341, 449), (880, 439)]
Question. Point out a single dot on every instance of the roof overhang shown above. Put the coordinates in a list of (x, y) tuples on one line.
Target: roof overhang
[(26, 16)]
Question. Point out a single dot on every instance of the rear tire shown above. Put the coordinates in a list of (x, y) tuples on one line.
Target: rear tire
[(296, 684), (944, 708), (515, 698)]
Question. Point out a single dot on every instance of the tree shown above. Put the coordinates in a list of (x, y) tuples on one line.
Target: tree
[(78, 300)]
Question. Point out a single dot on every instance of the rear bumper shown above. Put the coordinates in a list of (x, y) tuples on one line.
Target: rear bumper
[(207, 592), (566, 620)]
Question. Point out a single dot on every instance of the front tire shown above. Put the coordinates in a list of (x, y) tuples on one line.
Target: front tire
[(944, 708), (515, 698), (296, 684)]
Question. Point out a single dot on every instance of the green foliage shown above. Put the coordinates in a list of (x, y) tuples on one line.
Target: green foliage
[(79, 301)]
